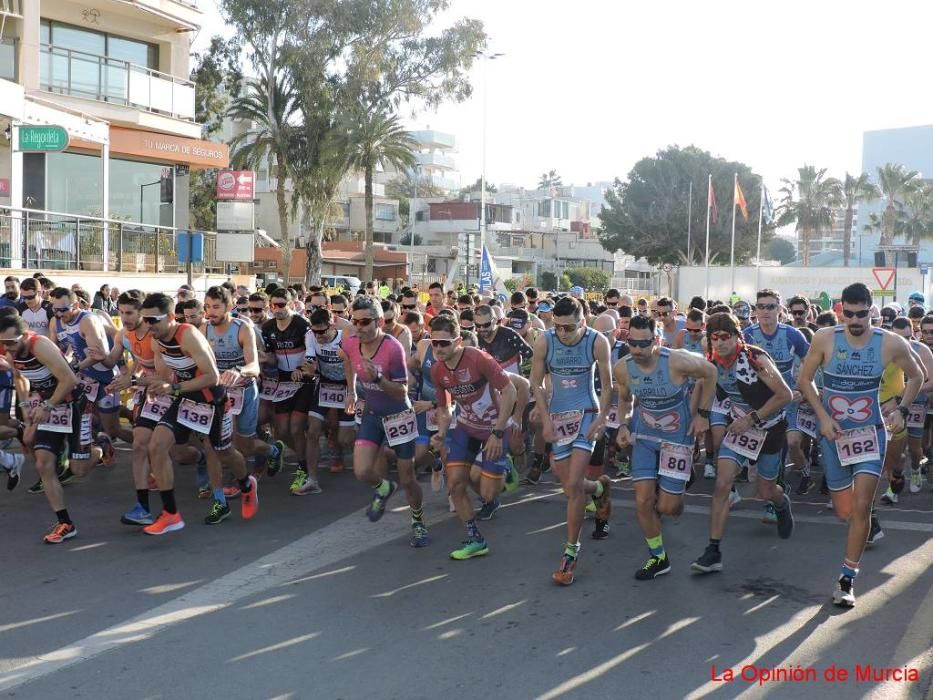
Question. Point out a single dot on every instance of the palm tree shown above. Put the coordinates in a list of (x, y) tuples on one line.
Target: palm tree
[(894, 180), (371, 140), (855, 189), (808, 202), (270, 109), (915, 214), (549, 179)]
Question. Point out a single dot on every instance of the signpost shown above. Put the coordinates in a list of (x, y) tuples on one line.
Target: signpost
[(41, 139), (884, 276), (236, 185)]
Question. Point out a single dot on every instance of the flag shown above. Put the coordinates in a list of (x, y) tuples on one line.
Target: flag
[(769, 205), (714, 210), (485, 272), (740, 200)]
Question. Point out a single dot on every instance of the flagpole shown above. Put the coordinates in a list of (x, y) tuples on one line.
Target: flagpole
[(709, 198), (761, 209), (689, 217), (735, 182)]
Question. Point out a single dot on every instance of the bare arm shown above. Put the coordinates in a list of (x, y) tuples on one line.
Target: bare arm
[(250, 366), (49, 355), (925, 357), (538, 372), (811, 363), (898, 351), (92, 330)]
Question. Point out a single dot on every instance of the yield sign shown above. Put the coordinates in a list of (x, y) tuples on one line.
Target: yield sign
[(883, 275)]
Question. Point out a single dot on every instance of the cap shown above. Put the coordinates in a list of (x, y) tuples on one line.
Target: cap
[(517, 318), (544, 307), (742, 310), (577, 292), (916, 296)]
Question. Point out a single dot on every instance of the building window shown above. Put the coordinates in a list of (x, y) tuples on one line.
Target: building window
[(384, 212), (8, 59), (382, 237)]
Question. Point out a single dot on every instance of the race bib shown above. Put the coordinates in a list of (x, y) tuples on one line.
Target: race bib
[(917, 415), (806, 422), (722, 407), (276, 392), (612, 419), (400, 428), (430, 419), (747, 444), (90, 387), (154, 407), (235, 394), (136, 397), (675, 461), (859, 445), (59, 420), (268, 389), (196, 416), (566, 426), (332, 395)]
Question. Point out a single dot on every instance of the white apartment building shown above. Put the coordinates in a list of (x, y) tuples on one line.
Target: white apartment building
[(113, 74)]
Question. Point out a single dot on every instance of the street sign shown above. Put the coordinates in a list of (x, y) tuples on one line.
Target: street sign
[(884, 276), (189, 246), (236, 247), (236, 185), (236, 216), (42, 139), (882, 292), (924, 268)]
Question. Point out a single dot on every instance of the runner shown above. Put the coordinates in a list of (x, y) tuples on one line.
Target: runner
[(571, 354), (36, 312), (853, 358), (916, 419), (662, 432), (485, 398), (193, 400)]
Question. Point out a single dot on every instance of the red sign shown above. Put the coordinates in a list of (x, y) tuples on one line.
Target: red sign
[(236, 185), (883, 275)]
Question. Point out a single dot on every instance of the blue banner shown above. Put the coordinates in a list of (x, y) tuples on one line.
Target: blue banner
[(485, 272)]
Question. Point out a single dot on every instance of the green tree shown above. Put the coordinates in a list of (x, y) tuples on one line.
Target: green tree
[(406, 239), (565, 282), (549, 179), (547, 280), (782, 250), (915, 214), (808, 202), (646, 214), (477, 186), (895, 181), (370, 140), (511, 284), (855, 190), (590, 278), (408, 185)]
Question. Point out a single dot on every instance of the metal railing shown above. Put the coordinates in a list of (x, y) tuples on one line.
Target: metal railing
[(34, 238), (80, 74)]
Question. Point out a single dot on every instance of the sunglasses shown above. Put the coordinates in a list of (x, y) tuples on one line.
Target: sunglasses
[(278, 304), (694, 331), (441, 342), (721, 335), (798, 312), (410, 307), (152, 320), (664, 314), (27, 298), (466, 328), (488, 324), (11, 341), (858, 314), (566, 327), (766, 307), (61, 309), (641, 343), (362, 322), (311, 309), (612, 304), (320, 331), (256, 309)]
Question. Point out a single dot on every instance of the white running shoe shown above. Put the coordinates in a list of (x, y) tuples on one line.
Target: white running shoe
[(734, 498), (916, 480)]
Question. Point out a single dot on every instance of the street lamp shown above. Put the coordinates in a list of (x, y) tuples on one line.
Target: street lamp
[(411, 233), (487, 56)]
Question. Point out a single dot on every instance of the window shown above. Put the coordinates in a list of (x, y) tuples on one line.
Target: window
[(384, 212), (8, 59)]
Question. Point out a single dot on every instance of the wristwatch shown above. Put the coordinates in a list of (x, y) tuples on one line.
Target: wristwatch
[(498, 433), (905, 411), (755, 419), (176, 389), (703, 413), (47, 405)]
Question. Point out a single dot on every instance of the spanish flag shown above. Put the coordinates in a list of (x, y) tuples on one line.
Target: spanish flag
[(740, 200)]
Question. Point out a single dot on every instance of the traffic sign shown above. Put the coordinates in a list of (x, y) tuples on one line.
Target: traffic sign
[(236, 185), (189, 246), (924, 268), (882, 292), (884, 276), (42, 139)]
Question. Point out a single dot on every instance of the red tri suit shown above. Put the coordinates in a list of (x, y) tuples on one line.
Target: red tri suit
[(469, 383)]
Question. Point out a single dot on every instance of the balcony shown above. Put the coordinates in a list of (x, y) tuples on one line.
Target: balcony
[(435, 160), (428, 138), (84, 75)]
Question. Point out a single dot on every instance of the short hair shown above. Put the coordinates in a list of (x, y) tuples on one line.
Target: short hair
[(318, 293), (180, 309), (131, 297), (517, 298), (467, 315), (926, 319), (568, 306), (338, 299), (30, 284), (625, 311), (531, 293), (281, 293), (445, 324), (724, 321), (60, 292), (465, 299), (193, 305), (219, 293), (901, 322), (105, 284), (698, 303), (436, 285), (83, 295), (666, 301), (762, 293), (243, 299), (915, 312), (719, 309), (14, 320), (271, 287), (643, 323), (797, 299), (320, 316), (482, 310), (412, 317), (11, 278), (409, 294), (695, 315), (46, 283), (641, 302), (611, 293), (367, 303), (447, 312), (259, 296), (856, 293), (159, 301)]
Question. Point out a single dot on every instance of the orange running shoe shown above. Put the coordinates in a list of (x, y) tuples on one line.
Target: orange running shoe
[(166, 522), (336, 465), (249, 503), (564, 574), (60, 533), (603, 503)]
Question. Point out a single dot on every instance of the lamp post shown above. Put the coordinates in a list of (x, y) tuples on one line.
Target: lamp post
[(411, 233), (487, 56)]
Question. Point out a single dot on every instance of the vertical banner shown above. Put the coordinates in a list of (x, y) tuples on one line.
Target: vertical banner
[(485, 272)]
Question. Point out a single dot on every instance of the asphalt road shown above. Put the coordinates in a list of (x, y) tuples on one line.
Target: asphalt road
[(310, 600)]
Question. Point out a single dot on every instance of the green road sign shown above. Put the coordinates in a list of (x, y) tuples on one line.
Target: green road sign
[(42, 138)]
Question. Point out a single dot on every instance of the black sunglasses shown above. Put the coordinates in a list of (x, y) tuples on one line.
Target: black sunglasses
[(488, 324), (857, 314), (441, 342), (766, 307), (641, 343)]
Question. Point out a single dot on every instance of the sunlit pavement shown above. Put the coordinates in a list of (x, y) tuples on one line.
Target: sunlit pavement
[(310, 600)]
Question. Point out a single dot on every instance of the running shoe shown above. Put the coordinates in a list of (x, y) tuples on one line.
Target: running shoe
[(232, 491), (709, 471), (709, 561), (604, 502), (653, 568), (310, 487), (769, 515), (298, 480), (532, 476), (204, 492), (916, 480), (511, 476), (806, 483), (889, 498), (824, 487), (106, 444), (65, 476), (336, 464), (249, 506), (734, 499), (844, 594), (217, 514), (60, 533), (419, 535), (601, 531), (875, 532), (785, 519), (565, 572), (275, 463), (166, 522), (624, 469), (589, 510), (469, 549), (36, 488), (488, 510), (14, 472), (377, 506), (137, 516)]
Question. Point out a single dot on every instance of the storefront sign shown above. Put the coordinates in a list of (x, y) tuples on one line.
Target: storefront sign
[(237, 185), (42, 139), (169, 149)]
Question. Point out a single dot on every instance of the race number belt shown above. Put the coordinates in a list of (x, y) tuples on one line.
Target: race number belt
[(400, 428), (675, 461), (566, 425), (859, 445)]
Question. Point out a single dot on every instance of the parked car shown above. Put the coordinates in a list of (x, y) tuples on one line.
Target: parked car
[(351, 284)]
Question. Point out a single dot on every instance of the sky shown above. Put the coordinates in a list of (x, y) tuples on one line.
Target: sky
[(588, 87)]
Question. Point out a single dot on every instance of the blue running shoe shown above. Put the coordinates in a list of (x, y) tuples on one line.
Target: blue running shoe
[(137, 516), (419, 535), (488, 510), (377, 507)]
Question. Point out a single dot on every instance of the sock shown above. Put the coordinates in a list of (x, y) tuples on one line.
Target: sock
[(168, 501), (572, 550), (537, 461), (142, 497), (219, 496), (714, 543), (473, 532), (849, 568), (62, 516), (245, 484), (6, 459), (805, 471), (599, 489), (303, 465), (383, 488), (417, 515), (656, 546)]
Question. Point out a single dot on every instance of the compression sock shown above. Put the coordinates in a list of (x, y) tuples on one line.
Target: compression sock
[(473, 532), (142, 497), (417, 515), (219, 496), (383, 488), (168, 501), (849, 568), (62, 516), (714, 543), (656, 546)]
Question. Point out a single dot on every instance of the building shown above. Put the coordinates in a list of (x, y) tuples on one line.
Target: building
[(114, 77), (338, 258)]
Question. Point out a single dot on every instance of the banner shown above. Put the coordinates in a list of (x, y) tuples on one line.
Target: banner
[(485, 272)]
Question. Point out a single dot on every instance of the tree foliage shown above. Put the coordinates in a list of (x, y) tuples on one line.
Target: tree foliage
[(547, 280), (645, 215), (782, 250), (477, 186), (590, 278), (855, 190), (808, 202), (549, 179)]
